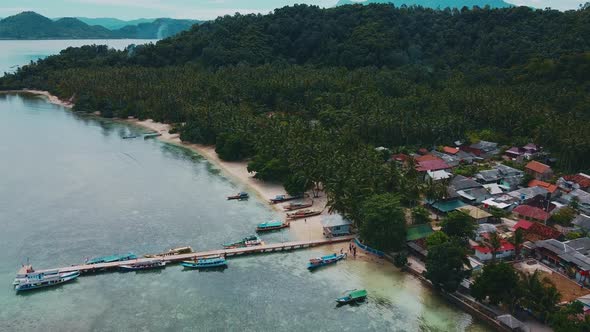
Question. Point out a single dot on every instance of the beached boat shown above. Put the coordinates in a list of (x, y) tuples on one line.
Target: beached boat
[(271, 226), (284, 198), (324, 260), (354, 296), (149, 265), (249, 241), (303, 214), (172, 252), (240, 196), (28, 279), (297, 206), (112, 258), (129, 137), (151, 135), (205, 263)]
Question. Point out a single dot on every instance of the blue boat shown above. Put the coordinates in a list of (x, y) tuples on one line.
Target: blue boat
[(30, 279), (271, 226), (314, 263), (112, 258), (147, 265), (205, 263), (240, 196)]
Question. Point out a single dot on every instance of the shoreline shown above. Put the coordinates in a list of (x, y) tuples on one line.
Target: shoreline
[(51, 98), (302, 229)]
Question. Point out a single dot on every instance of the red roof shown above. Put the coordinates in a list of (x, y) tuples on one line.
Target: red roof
[(537, 167), (550, 187), (523, 224), (450, 150), (580, 179), (431, 165), (531, 212), (426, 157), (505, 245)]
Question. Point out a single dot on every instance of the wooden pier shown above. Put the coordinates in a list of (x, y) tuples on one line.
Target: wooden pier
[(265, 248)]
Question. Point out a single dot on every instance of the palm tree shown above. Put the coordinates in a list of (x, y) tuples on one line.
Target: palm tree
[(494, 243), (517, 241)]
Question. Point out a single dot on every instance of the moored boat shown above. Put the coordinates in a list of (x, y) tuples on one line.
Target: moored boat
[(112, 258), (271, 226), (205, 263), (28, 279), (150, 135), (239, 196), (303, 214), (146, 265), (172, 252), (324, 260), (357, 295), (284, 198), (297, 206), (249, 241)]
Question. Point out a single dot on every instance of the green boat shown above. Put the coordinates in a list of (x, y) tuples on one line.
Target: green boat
[(357, 295), (271, 226)]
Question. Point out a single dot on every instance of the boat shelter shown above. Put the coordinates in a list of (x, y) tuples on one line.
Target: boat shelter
[(336, 225)]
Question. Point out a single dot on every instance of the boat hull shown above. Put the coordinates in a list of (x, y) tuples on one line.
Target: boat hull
[(192, 265), (325, 261), (129, 268), (66, 277)]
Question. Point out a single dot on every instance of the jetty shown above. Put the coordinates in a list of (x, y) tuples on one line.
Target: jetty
[(265, 248)]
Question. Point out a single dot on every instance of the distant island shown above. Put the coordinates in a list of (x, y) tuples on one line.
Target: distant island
[(30, 25), (433, 3)]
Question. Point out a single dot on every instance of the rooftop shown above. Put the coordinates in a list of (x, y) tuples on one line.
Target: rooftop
[(537, 167), (431, 165), (583, 180), (548, 186), (523, 224), (484, 145), (333, 220), (475, 212), (448, 206), (531, 212), (418, 232), (450, 150)]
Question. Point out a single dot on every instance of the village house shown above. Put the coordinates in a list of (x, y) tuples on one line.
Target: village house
[(569, 257), (581, 198), (506, 176), (519, 154), (524, 195), (531, 213), (534, 231), (571, 182), (504, 202), (438, 175), (582, 221), (478, 215), (484, 252), (336, 225), (431, 164), (551, 188), (538, 170), (482, 149)]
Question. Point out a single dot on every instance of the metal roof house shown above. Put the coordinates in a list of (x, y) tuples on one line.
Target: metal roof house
[(336, 225), (568, 256)]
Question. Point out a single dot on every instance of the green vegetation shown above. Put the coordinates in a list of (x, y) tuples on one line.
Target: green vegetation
[(306, 94), (436, 238), (570, 318), (433, 3), (499, 283), (383, 223), (458, 224), (445, 265), (420, 215), (563, 216)]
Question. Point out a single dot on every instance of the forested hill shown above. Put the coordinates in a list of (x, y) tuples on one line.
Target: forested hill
[(307, 93), (377, 35), (433, 3), (30, 25)]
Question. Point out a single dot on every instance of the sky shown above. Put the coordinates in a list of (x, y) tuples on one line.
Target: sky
[(194, 9)]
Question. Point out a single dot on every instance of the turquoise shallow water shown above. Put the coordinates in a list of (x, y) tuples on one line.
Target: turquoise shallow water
[(72, 188)]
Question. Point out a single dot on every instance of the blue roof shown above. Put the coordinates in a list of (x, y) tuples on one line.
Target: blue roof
[(448, 206)]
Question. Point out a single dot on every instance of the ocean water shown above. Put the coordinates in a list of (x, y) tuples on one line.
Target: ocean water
[(71, 188)]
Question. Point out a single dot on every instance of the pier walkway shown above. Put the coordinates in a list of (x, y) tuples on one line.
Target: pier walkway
[(265, 248)]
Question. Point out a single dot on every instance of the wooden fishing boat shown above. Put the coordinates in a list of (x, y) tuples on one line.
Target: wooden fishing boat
[(240, 196), (249, 241), (271, 226), (154, 264), (297, 206), (314, 263), (303, 214), (354, 296), (112, 258), (284, 198), (151, 135), (28, 279), (205, 263), (172, 252)]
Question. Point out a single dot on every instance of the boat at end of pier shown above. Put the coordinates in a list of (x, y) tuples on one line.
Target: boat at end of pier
[(28, 279), (249, 241), (314, 263), (204, 263)]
